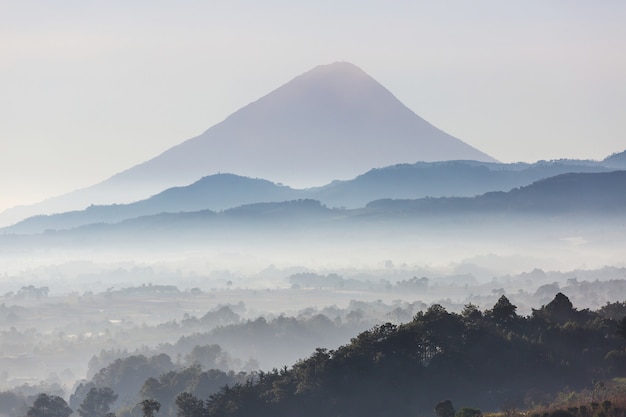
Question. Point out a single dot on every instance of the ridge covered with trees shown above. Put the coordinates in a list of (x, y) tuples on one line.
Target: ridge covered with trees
[(490, 360), (494, 359)]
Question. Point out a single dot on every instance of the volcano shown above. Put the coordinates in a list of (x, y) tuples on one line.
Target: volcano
[(332, 122)]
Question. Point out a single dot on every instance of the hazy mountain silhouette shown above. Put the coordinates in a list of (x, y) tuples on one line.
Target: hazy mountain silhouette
[(332, 122), (441, 179), (215, 192), (617, 160), (593, 195), (596, 194), (405, 181)]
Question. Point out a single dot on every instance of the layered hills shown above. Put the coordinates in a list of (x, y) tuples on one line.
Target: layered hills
[(404, 181), (594, 194), (617, 160), (589, 197), (332, 122)]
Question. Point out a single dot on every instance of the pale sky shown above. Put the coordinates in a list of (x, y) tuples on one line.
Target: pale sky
[(90, 88)]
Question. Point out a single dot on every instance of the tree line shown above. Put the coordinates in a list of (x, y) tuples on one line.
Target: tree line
[(487, 360)]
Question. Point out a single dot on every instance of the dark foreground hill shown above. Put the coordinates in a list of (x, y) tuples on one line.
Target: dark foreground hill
[(490, 360)]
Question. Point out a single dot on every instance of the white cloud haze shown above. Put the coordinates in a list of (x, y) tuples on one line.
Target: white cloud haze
[(92, 88)]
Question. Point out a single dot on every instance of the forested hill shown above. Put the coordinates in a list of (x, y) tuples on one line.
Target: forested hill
[(598, 194), (445, 178), (487, 360), (404, 181), (490, 360)]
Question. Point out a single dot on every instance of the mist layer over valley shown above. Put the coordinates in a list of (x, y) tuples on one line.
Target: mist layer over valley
[(261, 286), (237, 294)]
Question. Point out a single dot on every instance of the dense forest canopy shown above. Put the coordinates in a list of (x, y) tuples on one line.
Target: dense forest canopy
[(487, 359), (480, 359)]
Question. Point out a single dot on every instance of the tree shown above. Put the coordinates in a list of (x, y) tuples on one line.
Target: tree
[(444, 409), (149, 407), (189, 405), (97, 403), (208, 357), (49, 406), (471, 313), (469, 412), (560, 310), (503, 311), (621, 328), (126, 375), (12, 404)]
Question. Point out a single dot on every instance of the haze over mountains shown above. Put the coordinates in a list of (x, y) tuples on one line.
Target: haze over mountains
[(338, 258), (404, 181), (589, 197), (333, 122), (569, 221)]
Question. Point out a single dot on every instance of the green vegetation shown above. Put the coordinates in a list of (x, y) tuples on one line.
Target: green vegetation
[(493, 360), (600, 399), (556, 362), (49, 406), (97, 403)]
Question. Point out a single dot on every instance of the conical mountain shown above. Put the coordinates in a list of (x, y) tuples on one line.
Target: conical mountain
[(333, 122)]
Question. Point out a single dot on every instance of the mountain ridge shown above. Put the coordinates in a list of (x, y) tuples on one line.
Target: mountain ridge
[(403, 181), (593, 193)]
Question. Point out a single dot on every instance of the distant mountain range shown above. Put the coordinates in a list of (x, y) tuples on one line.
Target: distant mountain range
[(595, 195), (333, 122), (617, 160), (405, 181), (592, 194), (443, 179), (216, 192)]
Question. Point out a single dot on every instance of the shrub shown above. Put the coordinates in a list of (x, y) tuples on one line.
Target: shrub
[(469, 412)]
